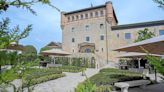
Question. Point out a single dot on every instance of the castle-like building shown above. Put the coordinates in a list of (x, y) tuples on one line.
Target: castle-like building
[(95, 30)]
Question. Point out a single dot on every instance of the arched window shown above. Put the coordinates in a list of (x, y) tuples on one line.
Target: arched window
[(87, 50)]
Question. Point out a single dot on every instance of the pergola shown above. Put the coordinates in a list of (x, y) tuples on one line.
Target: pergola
[(55, 52)]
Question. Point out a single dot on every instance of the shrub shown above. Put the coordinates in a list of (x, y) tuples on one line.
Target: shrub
[(86, 86)]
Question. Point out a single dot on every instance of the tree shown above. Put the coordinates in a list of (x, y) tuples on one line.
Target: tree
[(29, 49), (29, 53), (9, 35), (45, 48), (144, 34), (160, 2), (5, 4)]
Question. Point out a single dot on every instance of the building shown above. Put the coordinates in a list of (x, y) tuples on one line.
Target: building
[(95, 30)]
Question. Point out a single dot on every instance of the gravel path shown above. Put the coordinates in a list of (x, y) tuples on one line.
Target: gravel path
[(64, 84)]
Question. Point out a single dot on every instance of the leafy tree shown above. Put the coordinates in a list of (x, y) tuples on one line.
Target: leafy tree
[(8, 35), (160, 2), (5, 4), (144, 34), (29, 53), (45, 48), (29, 49)]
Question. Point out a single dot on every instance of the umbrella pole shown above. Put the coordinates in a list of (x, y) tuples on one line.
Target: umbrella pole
[(155, 75)]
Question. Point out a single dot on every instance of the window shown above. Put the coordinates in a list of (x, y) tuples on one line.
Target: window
[(68, 18), (102, 13), (127, 36), (101, 26), (86, 15), (73, 39), (96, 14), (102, 37), (87, 50), (82, 16), (73, 18), (87, 39), (118, 35), (161, 32), (77, 17), (91, 14), (102, 49), (87, 27), (73, 29)]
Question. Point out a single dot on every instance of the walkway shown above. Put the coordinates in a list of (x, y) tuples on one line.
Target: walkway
[(150, 88), (64, 84), (67, 83)]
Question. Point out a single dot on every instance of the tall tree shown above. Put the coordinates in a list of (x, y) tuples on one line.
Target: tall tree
[(144, 34), (160, 2), (5, 4), (7, 34)]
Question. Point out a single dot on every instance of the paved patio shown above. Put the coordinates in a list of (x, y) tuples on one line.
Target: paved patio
[(150, 88)]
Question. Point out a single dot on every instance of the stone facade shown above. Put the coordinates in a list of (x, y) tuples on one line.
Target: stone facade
[(97, 28)]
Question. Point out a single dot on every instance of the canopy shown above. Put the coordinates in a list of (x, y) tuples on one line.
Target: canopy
[(154, 46), (135, 55), (57, 52)]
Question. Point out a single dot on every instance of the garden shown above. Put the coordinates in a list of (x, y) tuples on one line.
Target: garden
[(105, 79)]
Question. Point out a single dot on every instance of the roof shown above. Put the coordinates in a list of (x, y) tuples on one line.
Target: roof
[(85, 9), (91, 8), (137, 25), (55, 52), (153, 45)]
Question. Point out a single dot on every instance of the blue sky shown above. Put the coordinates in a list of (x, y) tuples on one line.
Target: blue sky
[(46, 25)]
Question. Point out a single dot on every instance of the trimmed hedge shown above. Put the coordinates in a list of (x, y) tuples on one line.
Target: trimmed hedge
[(29, 81), (73, 69), (109, 76)]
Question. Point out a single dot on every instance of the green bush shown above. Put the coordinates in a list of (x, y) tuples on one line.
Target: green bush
[(29, 81), (109, 76), (86, 86), (104, 88), (69, 69)]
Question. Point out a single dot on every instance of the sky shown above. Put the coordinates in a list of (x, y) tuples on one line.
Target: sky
[(46, 24)]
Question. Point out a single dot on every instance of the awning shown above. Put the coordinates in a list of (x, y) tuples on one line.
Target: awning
[(57, 52), (154, 46), (135, 55)]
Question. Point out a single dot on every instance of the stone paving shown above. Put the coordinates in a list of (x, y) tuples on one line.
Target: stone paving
[(150, 88), (64, 84)]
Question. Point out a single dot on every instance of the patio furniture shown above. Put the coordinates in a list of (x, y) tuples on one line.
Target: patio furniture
[(125, 85)]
